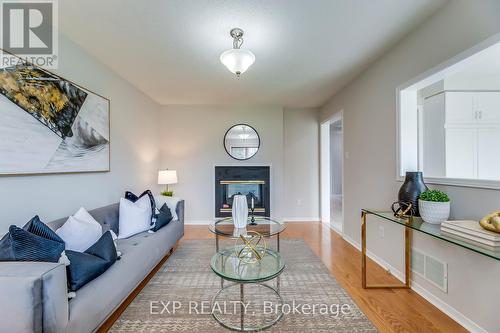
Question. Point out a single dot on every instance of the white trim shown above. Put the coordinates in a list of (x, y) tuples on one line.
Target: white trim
[(198, 222), (325, 176), (337, 231), (428, 77), (472, 183), (427, 295), (300, 219), (280, 219)]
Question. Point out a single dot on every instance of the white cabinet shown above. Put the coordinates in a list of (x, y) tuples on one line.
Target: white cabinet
[(460, 107), (461, 153), (487, 106), (488, 155), (469, 122)]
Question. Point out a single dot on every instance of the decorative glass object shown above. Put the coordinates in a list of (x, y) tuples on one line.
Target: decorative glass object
[(240, 211)]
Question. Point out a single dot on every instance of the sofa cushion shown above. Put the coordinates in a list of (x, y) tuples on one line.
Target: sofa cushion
[(86, 266), (140, 254)]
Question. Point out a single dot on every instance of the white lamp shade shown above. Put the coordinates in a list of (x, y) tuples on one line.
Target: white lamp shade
[(237, 60), (167, 177)]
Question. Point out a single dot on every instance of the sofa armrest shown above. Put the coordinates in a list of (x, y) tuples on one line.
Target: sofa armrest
[(180, 211), (180, 214), (34, 297)]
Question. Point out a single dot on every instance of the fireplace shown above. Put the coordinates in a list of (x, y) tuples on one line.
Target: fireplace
[(252, 181)]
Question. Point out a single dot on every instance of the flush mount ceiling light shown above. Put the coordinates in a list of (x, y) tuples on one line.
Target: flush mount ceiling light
[(237, 60)]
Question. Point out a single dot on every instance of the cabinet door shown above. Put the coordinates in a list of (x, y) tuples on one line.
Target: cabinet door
[(460, 108), (488, 142), (461, 153), (487, 104)]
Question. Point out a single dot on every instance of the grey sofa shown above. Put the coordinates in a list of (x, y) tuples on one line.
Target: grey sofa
[(34, 294)]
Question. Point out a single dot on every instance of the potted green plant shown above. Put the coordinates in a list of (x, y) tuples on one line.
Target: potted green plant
[(434, 206)]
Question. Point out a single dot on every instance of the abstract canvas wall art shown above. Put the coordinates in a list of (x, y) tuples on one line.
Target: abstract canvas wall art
[(49, 124)]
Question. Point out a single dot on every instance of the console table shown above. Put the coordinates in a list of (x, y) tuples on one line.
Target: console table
[(410, 224)]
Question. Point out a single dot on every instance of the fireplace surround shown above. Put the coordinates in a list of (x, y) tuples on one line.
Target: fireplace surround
[(252, 181)]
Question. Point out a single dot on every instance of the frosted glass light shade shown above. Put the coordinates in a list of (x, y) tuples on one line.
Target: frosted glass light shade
[(237, 60), (167, 177)]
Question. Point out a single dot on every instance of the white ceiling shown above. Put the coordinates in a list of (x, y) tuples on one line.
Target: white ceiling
[(305, 50)]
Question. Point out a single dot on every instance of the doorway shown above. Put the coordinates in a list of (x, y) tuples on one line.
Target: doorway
[(332, 187)]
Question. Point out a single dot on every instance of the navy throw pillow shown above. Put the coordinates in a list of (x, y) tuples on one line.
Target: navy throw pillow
[(86, 266), (34, 242), (132, 197), (162, 218)]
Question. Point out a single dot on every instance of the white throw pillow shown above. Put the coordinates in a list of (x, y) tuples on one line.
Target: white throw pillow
[(79, 235), (85, 216), (115, 237), (171, 203), (134, 217)]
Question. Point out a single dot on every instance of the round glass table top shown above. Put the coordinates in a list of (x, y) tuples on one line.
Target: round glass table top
[(264, 226), (228, 266)]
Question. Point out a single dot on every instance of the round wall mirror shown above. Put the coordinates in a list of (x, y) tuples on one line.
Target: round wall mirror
[(241, 141)]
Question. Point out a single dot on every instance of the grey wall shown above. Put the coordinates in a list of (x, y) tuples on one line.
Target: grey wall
[(192, 144), (301, 166), (134, 151), (369, 104)]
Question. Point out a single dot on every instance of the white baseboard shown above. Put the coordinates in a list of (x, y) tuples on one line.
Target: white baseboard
[(453, 313), (328, 224), (285, 219), (300, 219), (197, 222)]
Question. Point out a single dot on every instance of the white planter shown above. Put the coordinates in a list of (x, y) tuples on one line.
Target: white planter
[(434, 212), (240, 211)]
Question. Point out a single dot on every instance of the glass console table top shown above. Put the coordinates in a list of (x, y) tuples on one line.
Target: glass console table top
[(228, 266), (434, 230), (265, 226)]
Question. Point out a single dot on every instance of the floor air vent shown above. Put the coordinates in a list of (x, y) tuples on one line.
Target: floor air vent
[(430, 268)]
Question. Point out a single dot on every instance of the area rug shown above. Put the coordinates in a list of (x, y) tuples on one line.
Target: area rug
[(178, 298)]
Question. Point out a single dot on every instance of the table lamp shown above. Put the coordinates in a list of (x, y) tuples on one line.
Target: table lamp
[(167, 177)]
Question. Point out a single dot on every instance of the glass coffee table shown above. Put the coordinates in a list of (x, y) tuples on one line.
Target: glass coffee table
[(227, 265), (263, 225)]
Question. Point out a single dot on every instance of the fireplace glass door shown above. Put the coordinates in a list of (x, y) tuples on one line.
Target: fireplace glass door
[(251, 189)]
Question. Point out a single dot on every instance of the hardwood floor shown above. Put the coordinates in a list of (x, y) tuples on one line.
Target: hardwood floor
[(397, 310)]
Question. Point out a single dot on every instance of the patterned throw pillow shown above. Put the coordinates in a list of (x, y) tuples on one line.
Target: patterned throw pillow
[(132, 197), (163, 218), (34, 242)]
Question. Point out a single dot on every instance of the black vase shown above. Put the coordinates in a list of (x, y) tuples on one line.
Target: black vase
[(411, 189)]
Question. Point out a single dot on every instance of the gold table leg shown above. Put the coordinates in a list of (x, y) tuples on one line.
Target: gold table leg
[(364, 284)]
